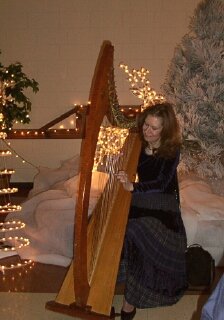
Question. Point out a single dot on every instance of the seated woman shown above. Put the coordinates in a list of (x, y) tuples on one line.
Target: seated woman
[(153, 258)]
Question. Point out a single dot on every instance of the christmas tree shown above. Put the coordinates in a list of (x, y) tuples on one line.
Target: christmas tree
[(195, 84)]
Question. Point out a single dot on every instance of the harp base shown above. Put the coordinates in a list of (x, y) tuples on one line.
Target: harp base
[(75, 311)]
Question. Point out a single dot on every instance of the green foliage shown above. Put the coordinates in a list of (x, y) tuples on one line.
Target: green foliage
[(195, 84), (14, 104)]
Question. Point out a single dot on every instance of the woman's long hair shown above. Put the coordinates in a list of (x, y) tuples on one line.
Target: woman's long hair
[(170, 135)]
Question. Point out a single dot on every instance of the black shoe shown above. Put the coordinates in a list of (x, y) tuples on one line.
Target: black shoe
[(128, 315)]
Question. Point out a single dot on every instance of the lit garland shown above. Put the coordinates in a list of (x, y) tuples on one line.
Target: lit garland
[(4, 85), (14, 280), (11, 225), (3, 135), (16, 154), (8, 190), (24, 263), (5, 176), (10, 208), (8, 226), (110, 142), (6, 171), (4, 153), (20, 243), (7, 208), (69, 126), (140, 86)]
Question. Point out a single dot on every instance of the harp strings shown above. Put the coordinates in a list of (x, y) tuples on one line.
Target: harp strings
[(112, 164)]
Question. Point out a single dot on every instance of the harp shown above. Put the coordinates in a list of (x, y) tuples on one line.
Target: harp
[(88, 288)]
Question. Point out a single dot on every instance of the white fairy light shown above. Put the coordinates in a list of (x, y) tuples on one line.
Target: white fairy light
[(4, 153), (140, 86), (110, 142), (8, 190), (19, 242), (10, 208), (21, 264), (11, 225), (6, 171)]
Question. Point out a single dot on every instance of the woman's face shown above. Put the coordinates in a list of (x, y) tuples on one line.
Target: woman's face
[(152, 129)]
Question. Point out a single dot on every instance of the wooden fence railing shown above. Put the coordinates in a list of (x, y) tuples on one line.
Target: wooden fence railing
[(49, 130)]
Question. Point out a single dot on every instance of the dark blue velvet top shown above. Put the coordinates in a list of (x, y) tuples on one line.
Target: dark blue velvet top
[(157, 193), (157, 174)]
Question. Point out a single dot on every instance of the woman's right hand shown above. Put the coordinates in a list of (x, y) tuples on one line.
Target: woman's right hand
[(123, 178)]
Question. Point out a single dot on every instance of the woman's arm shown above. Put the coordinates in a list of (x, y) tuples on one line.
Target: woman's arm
[(165, 175)]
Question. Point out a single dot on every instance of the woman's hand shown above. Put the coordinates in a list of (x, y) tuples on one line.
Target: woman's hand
[(123, 178)]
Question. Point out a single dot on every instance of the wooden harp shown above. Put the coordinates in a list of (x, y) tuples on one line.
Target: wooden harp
[(88, 288)]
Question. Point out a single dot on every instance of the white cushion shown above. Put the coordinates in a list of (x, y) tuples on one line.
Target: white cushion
[(99, 180), (47, 177)]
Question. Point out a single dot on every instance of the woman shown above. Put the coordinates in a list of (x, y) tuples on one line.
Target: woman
[(153, 257)]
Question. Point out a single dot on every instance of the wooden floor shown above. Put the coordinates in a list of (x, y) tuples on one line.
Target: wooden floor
[(37, 277), (47, 278)]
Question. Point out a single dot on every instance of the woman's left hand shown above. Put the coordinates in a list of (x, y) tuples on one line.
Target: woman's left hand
[(123, 178)]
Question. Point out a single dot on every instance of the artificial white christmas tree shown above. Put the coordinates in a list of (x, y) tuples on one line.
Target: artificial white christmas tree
[(195, 84)]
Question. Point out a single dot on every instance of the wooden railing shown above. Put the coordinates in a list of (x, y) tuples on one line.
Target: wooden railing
[(49, 132)]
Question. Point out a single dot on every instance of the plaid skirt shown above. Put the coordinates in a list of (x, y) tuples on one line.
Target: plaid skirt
[(153, 257)]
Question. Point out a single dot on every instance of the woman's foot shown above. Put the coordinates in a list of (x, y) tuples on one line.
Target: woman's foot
[(128, 315), (128, 311)]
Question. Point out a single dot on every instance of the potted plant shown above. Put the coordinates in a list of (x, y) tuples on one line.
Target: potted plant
[(14, 104)]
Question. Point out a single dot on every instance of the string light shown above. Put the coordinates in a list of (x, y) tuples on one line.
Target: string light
[(11, 225), (3, 135), (8, 190), (20, 242), (71, 127), (10, 208), (140, 86), (10, 98), (12, 150), (6, 171), (4, 153), (4, 85), (21, 264), (110, 142)]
